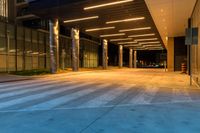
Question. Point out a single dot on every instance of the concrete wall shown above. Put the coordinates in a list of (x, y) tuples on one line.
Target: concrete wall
[(195, 49)]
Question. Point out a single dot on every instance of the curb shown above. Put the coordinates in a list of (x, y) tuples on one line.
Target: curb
[(15, 80)]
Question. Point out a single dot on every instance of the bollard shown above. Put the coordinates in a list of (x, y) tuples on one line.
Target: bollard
[(184, 68)]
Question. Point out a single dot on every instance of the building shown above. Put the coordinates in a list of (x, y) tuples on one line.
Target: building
[(25, 36)]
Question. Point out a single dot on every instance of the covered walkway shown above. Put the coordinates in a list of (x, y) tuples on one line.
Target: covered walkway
[(101, 101)]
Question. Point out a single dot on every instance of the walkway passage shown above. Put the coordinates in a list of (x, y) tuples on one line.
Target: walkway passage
[(93, 94)]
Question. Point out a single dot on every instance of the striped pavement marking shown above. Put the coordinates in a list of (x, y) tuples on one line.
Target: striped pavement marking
[(23, 90), (11, 103), (163, 95), (52, 103), (181, 94), (145, 97), (104, 99), (55, 94), (31, 82), (91, 96)]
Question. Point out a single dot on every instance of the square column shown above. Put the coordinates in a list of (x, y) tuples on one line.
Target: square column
[(130, 58), (135, 59), (105, 54), (170, 54), (54, 45), (75, 48), (120, 56)]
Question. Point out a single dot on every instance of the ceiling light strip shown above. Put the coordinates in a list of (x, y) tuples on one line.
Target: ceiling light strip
[(107, 4), (142, 35), (135, 29), (142, 43), (120, 39), (132, 45), (133, 42), (125, 20), (149, 39), (81, 19), (149, 45), (98, 29), (110, 35)]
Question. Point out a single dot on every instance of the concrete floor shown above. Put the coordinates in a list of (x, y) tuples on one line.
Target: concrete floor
[(112, 101)]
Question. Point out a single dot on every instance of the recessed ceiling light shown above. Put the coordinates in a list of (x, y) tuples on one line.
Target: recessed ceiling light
[(149, 39), (81, 19), (110, 35), (142, 35), (167, 38), (136, 29), (98, 29), (120, 39), (133, 42), (107, 4), (125, 20)]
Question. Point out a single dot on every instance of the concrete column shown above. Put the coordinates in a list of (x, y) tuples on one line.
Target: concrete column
[(120, 56), (54, 45), (170, 54), (75, 48), (105, 54), (135, 59), (130, 58)]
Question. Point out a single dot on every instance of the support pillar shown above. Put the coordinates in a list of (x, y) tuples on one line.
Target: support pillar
[(54, 45), (170, 54), (75, 48), (130, 58), (105, 54), (120, 56), (135, 59)]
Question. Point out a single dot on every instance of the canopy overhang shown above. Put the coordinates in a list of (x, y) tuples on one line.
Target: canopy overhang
[(130, 20)]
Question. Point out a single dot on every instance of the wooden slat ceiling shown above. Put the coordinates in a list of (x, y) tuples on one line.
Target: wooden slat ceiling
[(75, 9)]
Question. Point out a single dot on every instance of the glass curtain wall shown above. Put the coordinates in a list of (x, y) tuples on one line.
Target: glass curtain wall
[(195, 49), (23, 48)]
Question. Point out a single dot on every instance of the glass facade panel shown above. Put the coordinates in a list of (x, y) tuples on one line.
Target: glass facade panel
[(11, 48), (89, 53), (42, 52), (3, 8), (35, 52), (20, 48), (2, 47), (65, 52), (28, 49), (47, 51)]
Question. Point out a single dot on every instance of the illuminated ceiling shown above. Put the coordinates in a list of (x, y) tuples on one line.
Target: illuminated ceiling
[(171, 16), (122, 22)]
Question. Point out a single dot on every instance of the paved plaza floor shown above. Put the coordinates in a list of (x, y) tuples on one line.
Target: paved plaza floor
[(110, 101)]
